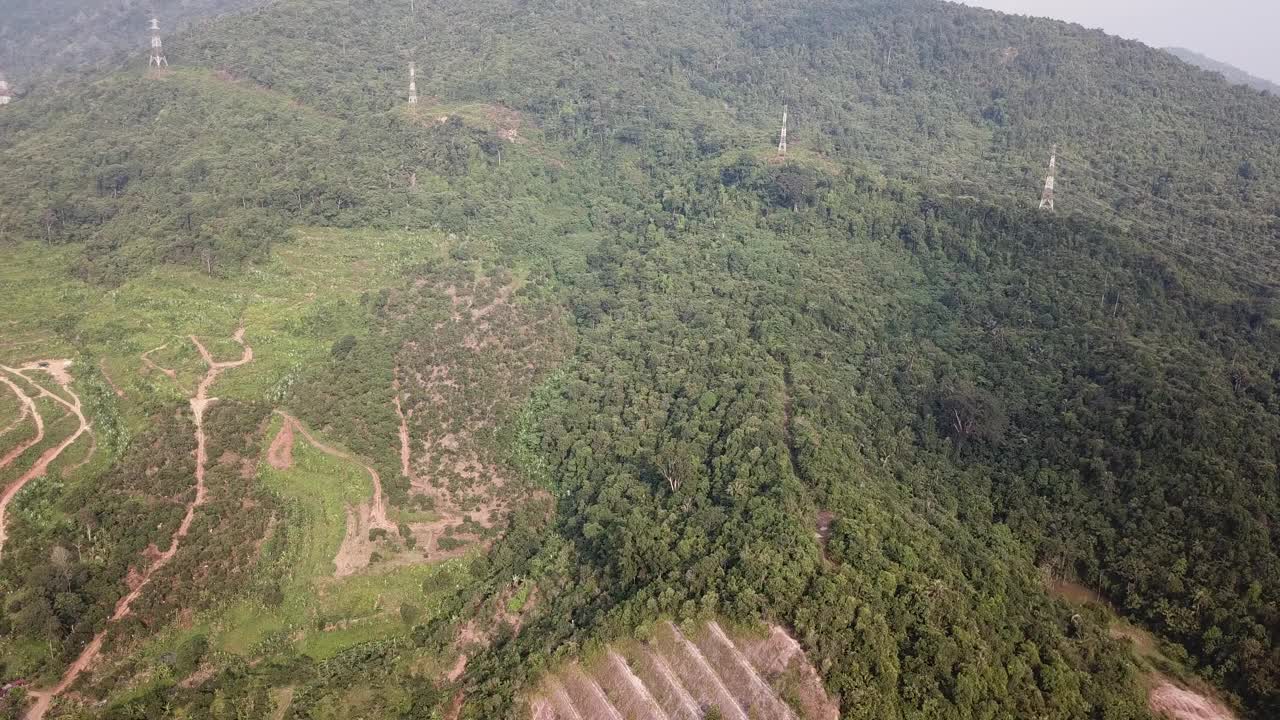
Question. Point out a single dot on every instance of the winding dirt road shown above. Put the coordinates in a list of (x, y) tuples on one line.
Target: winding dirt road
[(404, 427), (44, 698), (354, 552), (146, 360), (57, 370), (28, 408)]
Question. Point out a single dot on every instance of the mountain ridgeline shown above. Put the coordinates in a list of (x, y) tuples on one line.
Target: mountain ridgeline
[(1232, 73), (866, 391)]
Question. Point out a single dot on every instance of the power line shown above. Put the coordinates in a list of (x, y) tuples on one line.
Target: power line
[(1155, 236)]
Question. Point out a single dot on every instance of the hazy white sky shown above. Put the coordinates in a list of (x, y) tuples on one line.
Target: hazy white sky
[(1240, 32)]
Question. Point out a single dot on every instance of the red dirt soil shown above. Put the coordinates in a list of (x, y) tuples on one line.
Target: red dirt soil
[(151, 364), (356, 548), (102, 365), (280, 454), (676, 676), (57, 369), (28, 408), (1177, 703), (404, 427), (459, 666), (44, 698)]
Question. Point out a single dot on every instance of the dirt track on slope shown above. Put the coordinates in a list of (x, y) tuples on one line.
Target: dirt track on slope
[(280, 454), (356, 548), (28, 408), (44, 698), (57, 369), (102, 365), (152, 365), (404, 427)]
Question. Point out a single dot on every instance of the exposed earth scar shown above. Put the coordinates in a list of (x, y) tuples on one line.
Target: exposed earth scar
[(26, 410), (44, 698), (404, 427), (151, 363), (1171, 701), (356, 548), (102, 365), (57, 369)]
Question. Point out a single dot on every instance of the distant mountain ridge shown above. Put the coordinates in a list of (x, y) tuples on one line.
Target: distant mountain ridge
[(1232, 73)]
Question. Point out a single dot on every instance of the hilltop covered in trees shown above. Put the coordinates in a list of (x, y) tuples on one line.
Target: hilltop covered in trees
[(866, 391)]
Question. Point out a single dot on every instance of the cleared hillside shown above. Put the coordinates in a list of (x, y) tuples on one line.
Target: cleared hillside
[(685, 676), (615, 361)]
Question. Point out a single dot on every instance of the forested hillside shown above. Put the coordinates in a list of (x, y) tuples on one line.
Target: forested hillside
[(644, 368)]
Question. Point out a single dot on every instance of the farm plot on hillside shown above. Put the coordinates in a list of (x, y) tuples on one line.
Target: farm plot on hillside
[(684, 675), (301, 600)]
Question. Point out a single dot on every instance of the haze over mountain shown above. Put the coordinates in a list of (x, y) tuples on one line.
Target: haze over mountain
[(41, 37), (1230, 72), (1237, 31), (565, 391)]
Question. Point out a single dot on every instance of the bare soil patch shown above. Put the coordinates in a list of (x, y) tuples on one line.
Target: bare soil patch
[(357, 548), (1176, 703), (102, 365), (283, 699), (356, 551), (679, 675), (1075, 593), (459, 666), (822, 526), (280, 454), (1144, 643), (44, 698), (151, 365), (58, 371), (453, 387)]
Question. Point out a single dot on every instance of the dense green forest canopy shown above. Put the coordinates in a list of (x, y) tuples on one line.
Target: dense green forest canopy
[(878, 336)]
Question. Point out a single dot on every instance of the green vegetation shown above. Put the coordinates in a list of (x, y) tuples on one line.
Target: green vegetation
[(866, 391)]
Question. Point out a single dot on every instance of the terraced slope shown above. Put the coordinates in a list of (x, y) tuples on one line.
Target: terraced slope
[(679, 675)]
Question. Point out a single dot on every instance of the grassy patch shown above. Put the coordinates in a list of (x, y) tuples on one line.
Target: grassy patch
[(37, 319), (302, 606), (518, 600), (293, 306)]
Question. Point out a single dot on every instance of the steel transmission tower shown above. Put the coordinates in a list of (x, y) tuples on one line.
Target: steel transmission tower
[(157, 48), (782, 140), (1046, 198)]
